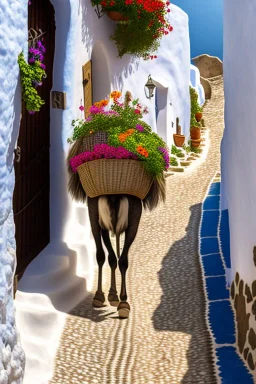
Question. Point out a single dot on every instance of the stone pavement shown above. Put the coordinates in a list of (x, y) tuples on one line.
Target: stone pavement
[(165, 340)]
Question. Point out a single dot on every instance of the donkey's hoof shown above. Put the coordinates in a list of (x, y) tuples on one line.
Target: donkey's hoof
[(123, 310), (98, 300), (113, 299)]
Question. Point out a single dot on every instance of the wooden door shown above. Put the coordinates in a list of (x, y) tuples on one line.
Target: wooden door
[(32, 173), (87, 83)]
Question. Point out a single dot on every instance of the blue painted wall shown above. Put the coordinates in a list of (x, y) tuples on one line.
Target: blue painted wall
[(205, 25)]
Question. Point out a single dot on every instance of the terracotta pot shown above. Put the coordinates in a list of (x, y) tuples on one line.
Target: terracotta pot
[(116, 16), (198, 116), (195, 143), (179, 140), (195, 133)]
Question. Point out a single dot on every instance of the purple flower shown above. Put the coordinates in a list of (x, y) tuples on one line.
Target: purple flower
[(94, 110), (36, 83), (42, 66), (31, 60), (165, 156), (139, 128), (31, 112)]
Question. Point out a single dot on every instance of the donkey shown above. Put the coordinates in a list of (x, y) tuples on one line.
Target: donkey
[(116, 214)]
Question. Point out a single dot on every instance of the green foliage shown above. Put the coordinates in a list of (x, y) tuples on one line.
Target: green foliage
[(131, 39), (175, 150), (30, 73), (195, 107), (173, 161)]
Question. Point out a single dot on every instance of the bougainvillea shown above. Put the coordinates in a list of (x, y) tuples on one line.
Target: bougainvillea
[(144, 26), (126, 129), (101, 151), (32, 75)]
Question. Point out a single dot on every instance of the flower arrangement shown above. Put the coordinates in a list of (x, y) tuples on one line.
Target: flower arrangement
[(32, 74), (144, 26), (129, 137)]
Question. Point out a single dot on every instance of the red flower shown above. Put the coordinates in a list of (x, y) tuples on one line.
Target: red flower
[(137, 111)]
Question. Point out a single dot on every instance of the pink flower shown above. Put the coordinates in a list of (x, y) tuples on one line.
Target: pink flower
[(81, 108)]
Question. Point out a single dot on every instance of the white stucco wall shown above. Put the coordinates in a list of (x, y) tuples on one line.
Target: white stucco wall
[(195, 83), (239, 141), (13, 34), (62, 274)]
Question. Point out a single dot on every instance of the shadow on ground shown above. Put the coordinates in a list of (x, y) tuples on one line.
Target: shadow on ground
[(182, 307)]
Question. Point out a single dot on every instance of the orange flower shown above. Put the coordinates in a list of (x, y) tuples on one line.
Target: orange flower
[(115, 95), (91, 132), (130, 131), (142, 151), (101, 103), (122, 137)]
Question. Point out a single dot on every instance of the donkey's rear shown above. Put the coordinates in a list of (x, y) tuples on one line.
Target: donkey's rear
[(118, 214)]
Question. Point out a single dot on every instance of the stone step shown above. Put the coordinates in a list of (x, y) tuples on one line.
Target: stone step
[(176, 169), (185, 163)]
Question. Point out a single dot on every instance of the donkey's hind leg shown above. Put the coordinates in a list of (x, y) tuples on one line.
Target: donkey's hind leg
[(112, 260), (99, 297), (134, 215)]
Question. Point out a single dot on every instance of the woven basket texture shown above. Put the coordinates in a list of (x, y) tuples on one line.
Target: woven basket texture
[(114, 176), (93, 139)]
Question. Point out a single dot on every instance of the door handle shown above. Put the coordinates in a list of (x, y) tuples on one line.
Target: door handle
[(17, 153)]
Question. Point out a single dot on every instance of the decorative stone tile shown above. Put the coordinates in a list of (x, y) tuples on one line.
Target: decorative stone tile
[(213, 265), (232, 369), (237, 278), (211, 202), (210, 223), (248, 293), (250, 361), (222, 322), (252, 338), (208, 246), (216, 288), (214, 189)]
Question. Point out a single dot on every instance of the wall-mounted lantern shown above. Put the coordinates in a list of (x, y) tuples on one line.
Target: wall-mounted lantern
[(150, 86)]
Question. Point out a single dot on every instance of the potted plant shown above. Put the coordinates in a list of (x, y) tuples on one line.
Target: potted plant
[(115, 151), (178, 138), (141, 25), (195, 131)]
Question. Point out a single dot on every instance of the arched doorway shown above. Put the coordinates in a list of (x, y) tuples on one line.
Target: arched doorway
[(100, 73), (32, 173), (161, 97)]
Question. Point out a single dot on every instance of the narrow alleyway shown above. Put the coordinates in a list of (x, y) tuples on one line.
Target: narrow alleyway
[(165, 340)]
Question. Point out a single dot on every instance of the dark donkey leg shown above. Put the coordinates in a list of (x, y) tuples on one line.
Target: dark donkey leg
[(99, 297), (134, 215), (112, 260)]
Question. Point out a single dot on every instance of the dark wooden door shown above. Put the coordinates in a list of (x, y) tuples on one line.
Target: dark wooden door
[(32, 173)]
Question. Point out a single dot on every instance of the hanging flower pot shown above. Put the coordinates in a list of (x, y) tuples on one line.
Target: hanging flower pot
[(179, 140), (116, 16), (198, 116), (195, 133), (195, 143)]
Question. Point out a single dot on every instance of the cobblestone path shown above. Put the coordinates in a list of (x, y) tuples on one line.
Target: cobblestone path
[(165, 340)]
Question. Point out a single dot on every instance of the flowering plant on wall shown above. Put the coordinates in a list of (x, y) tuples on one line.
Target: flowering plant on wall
[(144, 24), (32, 74), (128, 136)]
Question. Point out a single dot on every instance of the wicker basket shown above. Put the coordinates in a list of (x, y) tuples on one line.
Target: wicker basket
[(114, 176), (93, 139)]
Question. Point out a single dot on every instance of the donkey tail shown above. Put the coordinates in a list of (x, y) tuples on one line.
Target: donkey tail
[(113, 213)]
